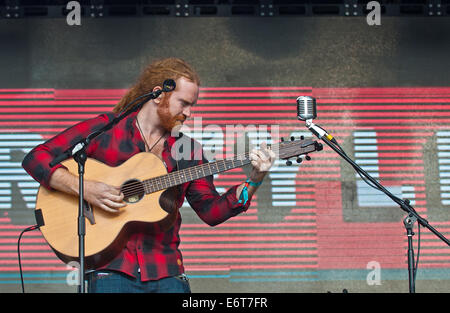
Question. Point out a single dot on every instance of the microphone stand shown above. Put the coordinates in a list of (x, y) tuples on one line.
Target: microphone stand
[(412, 215), (78, 152)]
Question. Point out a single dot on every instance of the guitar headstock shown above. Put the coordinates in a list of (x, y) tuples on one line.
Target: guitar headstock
[(296, 148)]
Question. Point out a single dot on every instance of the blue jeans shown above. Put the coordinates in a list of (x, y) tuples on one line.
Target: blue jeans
[(105, 281)]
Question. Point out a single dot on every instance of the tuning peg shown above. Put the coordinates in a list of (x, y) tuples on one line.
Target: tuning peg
[(319, 146), (282, 139), (299, 159), (302, 137), (308, 158), (292, 138), (288, 162)]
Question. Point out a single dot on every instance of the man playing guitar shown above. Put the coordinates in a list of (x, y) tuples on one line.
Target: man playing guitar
[(151, 260)]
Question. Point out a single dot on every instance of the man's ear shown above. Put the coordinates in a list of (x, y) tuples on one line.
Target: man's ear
[(160, 97)]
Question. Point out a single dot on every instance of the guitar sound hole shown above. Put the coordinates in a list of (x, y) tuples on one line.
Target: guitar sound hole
[(133, 191)]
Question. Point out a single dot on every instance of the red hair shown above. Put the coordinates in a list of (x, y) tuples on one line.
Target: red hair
[(154, 75)]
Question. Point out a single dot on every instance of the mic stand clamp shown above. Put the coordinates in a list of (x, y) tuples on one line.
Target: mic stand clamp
[(316, 130)]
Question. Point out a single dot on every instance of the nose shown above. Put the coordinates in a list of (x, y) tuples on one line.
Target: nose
[(187, 111)]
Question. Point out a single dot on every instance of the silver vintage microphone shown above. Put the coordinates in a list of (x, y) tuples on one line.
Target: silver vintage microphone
[(307, 111), (306, 108)]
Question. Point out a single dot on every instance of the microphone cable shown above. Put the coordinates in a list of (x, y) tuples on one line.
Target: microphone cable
[(31, 228)]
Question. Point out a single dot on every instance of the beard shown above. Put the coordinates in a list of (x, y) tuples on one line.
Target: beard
[(169, 121)]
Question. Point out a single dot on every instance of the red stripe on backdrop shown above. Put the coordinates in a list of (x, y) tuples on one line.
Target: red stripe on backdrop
[(46, 116), (321, 108), (245, 238), (322, 101), (36, 123), (245, 101), (255, 253), (398, 91), (28, 90), (245, 231), (245, 225), (26, 96), (32, 268), (402, 140), (25, 261), (351, 123), (389, 114), (381, 96), (400, 154), (249, 260), (299, 218), (74, 103), (252, 245), (405, 168), (222, 268), (304, 89), (402, 162), (323, 114), (28, 255), (89, 93), (268, 94), (33, 247), (50, 110)]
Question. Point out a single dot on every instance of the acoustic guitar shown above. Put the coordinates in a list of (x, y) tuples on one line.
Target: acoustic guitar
[(148, 194)]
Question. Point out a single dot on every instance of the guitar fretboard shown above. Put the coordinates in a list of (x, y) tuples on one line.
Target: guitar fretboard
[(282, 151), (192, 173)]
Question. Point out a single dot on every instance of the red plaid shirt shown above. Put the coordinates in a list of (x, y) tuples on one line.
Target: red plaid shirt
[(156, 255)]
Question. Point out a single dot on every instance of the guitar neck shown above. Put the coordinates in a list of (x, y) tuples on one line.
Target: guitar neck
[(192, 173), (284, 150)]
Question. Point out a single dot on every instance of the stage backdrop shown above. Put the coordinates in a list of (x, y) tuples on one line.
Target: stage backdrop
[(382, 91)]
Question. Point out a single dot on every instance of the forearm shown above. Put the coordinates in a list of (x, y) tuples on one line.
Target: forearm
[(255, 177), (64, 181), (261, 161), (108, 198)]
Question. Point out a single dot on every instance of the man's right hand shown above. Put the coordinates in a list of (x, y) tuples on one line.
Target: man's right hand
[(106, 197), (103, 196)]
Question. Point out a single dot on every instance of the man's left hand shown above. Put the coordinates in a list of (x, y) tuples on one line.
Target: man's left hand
[(262, 160)]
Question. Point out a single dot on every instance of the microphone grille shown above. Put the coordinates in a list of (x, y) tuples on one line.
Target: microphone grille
[(306, 108)]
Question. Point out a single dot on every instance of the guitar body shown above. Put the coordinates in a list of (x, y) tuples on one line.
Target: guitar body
[(106, 233)]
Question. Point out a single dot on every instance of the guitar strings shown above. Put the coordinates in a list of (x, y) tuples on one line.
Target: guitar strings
[(138, 186), (174, 176)]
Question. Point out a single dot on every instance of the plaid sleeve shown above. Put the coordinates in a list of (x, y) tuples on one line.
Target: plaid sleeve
[(36, 162), (209, 205)]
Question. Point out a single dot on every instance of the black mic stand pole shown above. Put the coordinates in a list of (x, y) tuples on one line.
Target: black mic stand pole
[(78, 152), (410, 219)]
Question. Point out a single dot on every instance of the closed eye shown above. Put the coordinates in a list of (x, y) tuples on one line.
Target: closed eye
[(185, 103)]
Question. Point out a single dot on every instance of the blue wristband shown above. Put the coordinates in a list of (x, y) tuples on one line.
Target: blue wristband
[(243, 198), (253, 183)]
